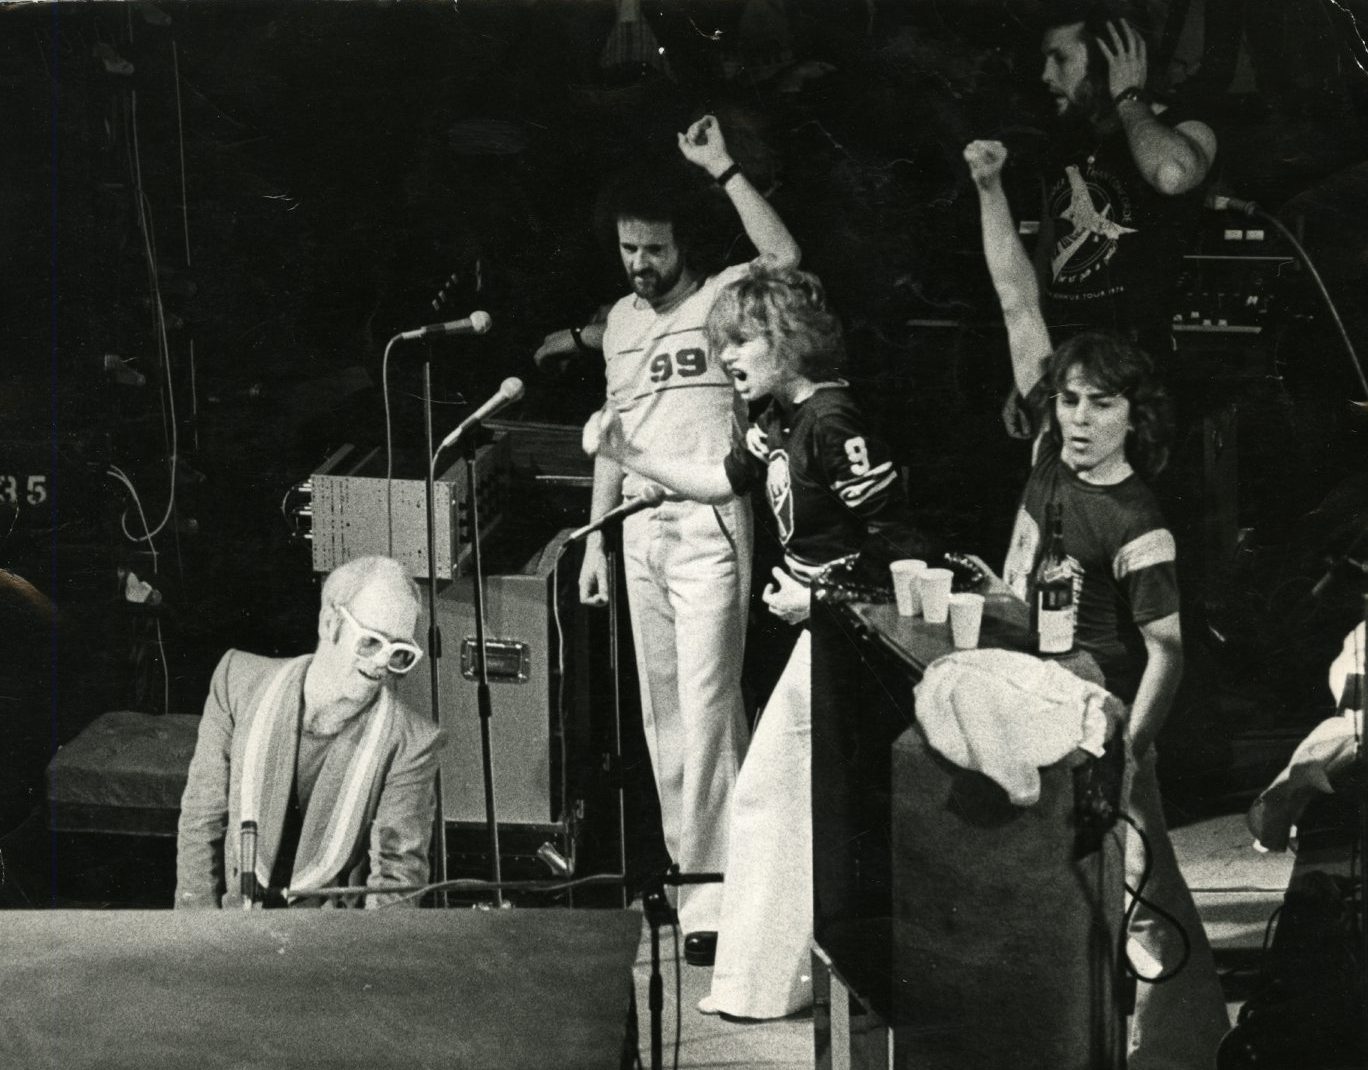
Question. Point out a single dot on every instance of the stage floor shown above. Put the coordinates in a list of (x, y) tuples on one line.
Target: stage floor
[(1236, 889)]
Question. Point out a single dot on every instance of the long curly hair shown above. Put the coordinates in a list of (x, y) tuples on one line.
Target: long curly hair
[(789, 308), (664, 190), (1113, 364)]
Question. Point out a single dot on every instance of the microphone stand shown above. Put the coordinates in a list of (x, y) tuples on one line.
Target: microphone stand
[(659, 912), (611, 547), (482, 697), (1362, 668), (439, 867)]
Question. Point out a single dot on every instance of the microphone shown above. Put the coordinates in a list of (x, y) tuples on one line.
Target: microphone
[(247, 860), (556, 862), (1221, 203), (510, 390), (649, 499), (475, 323)]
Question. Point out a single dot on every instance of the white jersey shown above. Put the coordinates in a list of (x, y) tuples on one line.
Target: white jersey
[(671, 392)]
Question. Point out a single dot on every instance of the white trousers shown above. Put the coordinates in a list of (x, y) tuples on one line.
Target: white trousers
[(764, 966), (688, 582), (1179, 1023)]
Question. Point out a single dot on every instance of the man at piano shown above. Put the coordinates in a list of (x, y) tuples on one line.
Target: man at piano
[(310, 772)]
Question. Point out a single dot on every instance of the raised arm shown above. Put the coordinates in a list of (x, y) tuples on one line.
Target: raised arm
[(1171, 159), (1013, 274), (703, 145)]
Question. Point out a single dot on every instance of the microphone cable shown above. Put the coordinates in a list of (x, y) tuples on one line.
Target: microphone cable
[(1252, 209), (1137, 900)]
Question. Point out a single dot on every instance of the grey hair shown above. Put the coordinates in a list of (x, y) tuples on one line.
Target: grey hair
[(346, 580)]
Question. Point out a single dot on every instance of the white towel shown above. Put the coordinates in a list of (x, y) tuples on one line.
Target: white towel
[(1007, 715), (1323, 764)]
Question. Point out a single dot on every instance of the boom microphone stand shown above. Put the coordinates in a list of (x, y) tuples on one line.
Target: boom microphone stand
[(658, 913), (610, 524), (483, 699), (509, 391), (439, 865)]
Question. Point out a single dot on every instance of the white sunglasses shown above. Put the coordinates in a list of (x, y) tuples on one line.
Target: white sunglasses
[(400, 655)]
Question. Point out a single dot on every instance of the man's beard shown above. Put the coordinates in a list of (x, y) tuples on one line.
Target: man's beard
[(1088, 113), (651, 285)]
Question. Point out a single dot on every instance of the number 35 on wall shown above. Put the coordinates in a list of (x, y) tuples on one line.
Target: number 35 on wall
[(23, 490)]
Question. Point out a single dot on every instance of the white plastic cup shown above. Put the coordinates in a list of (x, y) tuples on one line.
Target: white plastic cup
[(905, 588), (966, 618), (935, 594)]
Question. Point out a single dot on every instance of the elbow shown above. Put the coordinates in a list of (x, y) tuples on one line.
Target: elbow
[(1017, 299), (1169, 653), (785, 256), (1174, 178), (1019, 312)]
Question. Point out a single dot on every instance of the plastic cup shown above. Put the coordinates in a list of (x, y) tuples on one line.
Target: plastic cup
[(935, 594), (905, 588), (966, 617)]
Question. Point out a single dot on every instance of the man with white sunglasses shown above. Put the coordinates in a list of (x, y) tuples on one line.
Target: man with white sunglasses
[(310, 772)]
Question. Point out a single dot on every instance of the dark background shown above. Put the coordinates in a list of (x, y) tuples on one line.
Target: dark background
[(294, 182)]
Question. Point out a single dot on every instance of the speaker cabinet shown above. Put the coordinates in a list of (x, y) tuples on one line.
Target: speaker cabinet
[(538, 718)]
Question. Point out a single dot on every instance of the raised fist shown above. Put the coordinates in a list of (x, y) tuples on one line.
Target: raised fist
[(985, 160), (703, 145)]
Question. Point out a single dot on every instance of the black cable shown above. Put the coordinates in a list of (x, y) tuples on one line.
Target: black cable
[(1305, 258), (407, 892), (1137, 900), (1265, 971)]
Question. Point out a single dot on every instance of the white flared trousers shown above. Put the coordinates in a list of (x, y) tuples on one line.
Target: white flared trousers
[(764, 960), (688, 581)]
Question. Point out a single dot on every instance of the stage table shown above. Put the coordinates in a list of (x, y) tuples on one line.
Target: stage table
[(325, 989), (886, 993)]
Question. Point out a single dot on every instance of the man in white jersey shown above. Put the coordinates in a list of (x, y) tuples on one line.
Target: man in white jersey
[(687, 564)]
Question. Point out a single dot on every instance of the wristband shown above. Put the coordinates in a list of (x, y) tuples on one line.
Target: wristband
[(577, 336), (727, 175), (1131, 92)]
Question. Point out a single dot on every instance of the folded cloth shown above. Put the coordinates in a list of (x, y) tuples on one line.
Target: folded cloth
[(1322, 764), (1007, 714)]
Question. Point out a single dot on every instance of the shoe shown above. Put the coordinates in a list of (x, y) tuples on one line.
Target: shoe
[(700, 948), (706, 1005)]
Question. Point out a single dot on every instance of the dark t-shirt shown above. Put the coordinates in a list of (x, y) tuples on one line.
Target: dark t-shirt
[(1114, 242), (1122, 554), (831, 485), (309, 758)]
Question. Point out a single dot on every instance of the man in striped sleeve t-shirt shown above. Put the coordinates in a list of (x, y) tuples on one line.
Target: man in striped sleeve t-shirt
[(1105, 426)]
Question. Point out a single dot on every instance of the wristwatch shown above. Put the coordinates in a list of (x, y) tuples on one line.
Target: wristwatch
[(727, 175), (1131, 92)]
